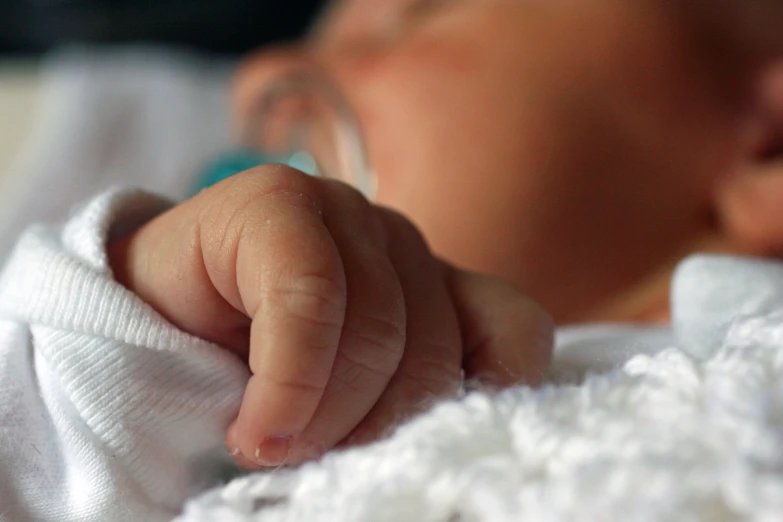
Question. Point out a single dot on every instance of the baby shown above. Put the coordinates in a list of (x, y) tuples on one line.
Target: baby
[(570, 150)]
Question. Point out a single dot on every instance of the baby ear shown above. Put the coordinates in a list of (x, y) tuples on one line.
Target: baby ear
[(750, 203)]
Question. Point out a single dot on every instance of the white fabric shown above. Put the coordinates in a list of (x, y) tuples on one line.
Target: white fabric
[(665, 438), (109, 413), (711, 293)]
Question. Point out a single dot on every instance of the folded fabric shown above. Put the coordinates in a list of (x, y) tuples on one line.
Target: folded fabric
[(107, 411)]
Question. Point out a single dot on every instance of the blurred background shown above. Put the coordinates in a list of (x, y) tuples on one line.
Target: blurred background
[(225, 26), (96, 93)]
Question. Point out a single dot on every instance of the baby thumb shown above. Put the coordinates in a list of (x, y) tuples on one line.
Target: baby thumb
[(507, 336)]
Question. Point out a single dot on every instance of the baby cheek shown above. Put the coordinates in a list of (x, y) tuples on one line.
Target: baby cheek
[(413, 97), (424, 69)]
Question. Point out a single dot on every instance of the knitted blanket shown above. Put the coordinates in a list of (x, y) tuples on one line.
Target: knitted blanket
[(663, 437)]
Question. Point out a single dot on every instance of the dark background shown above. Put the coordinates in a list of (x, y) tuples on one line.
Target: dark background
[(221, 26)]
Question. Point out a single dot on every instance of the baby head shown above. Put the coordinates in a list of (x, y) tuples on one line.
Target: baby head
[(578, 149)]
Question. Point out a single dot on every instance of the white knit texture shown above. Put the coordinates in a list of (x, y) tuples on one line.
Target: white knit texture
[(664, 438), (107, 412)]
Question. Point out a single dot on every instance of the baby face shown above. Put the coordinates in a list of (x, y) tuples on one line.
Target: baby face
[(570, 147)]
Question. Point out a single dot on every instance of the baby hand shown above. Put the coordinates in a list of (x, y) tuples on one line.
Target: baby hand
[(347, 321)]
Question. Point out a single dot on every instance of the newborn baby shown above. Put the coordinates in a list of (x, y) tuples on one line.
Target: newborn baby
[(574, 151)]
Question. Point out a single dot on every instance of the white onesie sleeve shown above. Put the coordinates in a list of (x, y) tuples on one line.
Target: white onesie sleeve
[(107, 411)]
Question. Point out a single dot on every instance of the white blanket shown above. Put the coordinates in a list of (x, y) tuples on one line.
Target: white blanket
[(667, 425), (663, 437)]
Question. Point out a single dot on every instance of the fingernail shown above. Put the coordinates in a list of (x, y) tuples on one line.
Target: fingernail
[(273, 451)]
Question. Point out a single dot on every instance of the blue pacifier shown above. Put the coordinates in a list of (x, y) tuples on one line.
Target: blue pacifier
[(233, 162), (302, 121)]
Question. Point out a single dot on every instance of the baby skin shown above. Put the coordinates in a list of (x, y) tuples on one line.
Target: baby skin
[(574, 149)]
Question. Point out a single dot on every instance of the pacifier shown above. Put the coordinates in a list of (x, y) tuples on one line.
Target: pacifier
[(300, 120)]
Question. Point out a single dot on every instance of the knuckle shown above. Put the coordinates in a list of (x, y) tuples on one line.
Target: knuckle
[(285, 185), (353, 203), (246, 194), (272, 175), (236, 208), (269, 183), (404, 230), (347, 193)]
